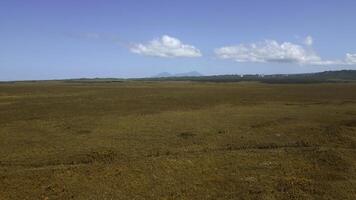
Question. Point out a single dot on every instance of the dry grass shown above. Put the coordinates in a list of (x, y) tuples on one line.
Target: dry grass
[(168, 140)]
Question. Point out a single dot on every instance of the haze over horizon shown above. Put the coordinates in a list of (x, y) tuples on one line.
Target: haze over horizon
[(73, 39)]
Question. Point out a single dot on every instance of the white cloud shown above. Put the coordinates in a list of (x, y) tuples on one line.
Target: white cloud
[(350, 58), (308, 40), (166, 46), (270, 51)]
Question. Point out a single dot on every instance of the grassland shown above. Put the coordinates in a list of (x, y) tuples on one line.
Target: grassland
[(177, 140)]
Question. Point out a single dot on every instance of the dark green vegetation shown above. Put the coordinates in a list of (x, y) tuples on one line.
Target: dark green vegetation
[(320, 77), (177, 140)]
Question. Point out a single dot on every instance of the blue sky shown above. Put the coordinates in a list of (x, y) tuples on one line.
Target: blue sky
[(41, 39)]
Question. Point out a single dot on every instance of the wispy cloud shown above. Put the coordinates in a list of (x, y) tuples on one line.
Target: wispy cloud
[(98, 36), (308, 40), (271, 51), (166, 46)]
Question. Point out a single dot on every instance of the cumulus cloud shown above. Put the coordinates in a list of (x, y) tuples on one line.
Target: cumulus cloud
[(270, 51), (166, 46)]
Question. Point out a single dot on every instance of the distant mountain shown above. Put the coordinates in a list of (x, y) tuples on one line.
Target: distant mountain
[(185, 74)]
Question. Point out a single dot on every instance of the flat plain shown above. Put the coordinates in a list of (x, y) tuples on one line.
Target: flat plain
[(177, 140)]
